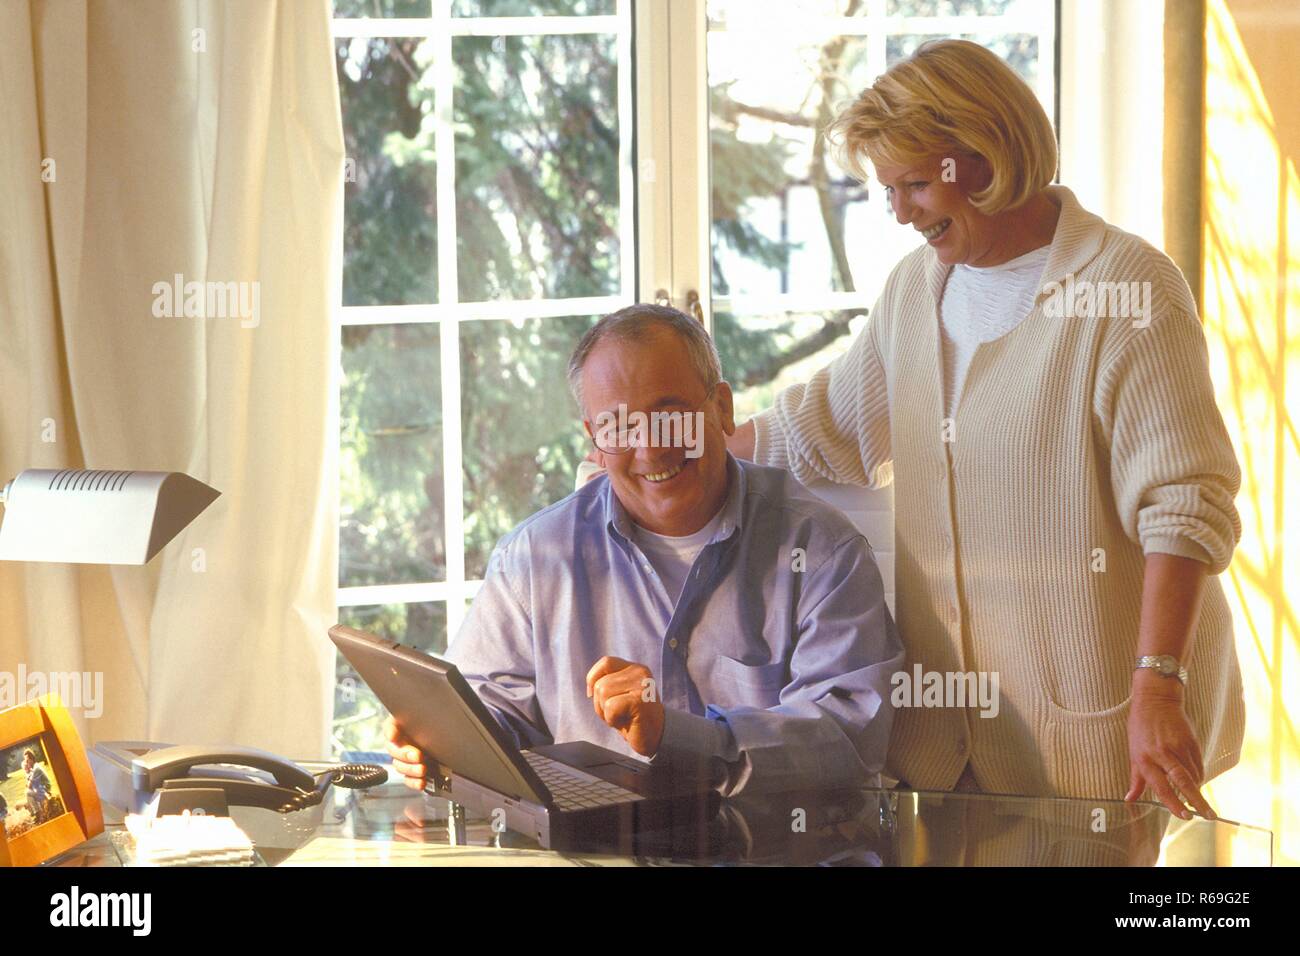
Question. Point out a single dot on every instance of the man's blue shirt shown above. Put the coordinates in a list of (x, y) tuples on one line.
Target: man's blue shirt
[(775, 661)]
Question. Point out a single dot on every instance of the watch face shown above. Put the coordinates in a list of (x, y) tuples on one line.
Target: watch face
[(1167, 665)]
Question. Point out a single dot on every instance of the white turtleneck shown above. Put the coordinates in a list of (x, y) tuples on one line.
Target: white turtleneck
[(981, 305)]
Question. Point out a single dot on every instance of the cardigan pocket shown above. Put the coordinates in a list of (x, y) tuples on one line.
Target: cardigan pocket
[(1058, 714), (1086, 753)]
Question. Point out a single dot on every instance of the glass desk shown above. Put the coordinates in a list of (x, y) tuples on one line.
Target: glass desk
[(390, 825)]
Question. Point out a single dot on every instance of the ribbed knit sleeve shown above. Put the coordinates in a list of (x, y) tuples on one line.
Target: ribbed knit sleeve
[(1173, 470), (835, 427)]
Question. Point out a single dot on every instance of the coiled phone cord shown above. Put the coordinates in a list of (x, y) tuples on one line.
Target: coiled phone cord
[(353, 776)]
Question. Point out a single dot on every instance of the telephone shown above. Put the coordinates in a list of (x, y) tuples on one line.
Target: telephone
[(133, 775)]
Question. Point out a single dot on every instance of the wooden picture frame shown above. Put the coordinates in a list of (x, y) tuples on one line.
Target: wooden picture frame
[(71, 813)]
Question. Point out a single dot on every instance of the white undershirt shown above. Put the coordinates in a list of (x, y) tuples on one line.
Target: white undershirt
[(982, 305), (673, 557)]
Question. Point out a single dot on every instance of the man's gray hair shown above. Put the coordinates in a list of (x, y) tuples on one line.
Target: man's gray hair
[(637, 323)]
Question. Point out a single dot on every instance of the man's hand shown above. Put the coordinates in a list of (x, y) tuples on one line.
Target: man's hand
[(1163, 752), (407, 758), (626, 697)]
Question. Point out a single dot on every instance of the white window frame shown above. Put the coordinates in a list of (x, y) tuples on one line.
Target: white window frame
[(441, 28), (1112, 94)]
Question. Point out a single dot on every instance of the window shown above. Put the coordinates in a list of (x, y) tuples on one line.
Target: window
[(487, 221), (490, 219)]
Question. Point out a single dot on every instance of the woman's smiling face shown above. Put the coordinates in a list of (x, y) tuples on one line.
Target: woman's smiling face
[(932, 196)]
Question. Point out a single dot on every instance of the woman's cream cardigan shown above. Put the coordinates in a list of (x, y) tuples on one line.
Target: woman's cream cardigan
[(1079, 445)]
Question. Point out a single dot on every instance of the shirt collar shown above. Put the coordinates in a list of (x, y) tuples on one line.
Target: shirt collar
[(1075, 243), (619, 521)]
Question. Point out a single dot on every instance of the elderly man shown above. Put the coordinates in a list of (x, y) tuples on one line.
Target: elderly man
[(685, 605)]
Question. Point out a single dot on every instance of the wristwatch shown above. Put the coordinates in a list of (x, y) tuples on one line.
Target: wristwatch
[(1166, 665)]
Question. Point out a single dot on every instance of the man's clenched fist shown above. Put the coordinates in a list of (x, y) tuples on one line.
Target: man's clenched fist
[(625, 697)]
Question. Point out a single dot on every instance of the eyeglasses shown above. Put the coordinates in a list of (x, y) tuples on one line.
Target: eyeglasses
[(670, 427)]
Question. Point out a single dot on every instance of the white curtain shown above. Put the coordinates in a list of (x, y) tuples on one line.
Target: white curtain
[(140, 142)]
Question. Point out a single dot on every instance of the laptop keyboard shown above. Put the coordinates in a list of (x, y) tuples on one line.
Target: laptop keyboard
[(571, 789)]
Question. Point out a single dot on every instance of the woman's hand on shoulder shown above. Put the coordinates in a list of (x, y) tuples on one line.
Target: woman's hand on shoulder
[(741, 441)]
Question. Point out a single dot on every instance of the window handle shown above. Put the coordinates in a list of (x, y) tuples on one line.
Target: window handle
[(694, 306)]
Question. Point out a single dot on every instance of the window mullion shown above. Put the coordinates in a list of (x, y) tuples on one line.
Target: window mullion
[(448, 327), (691, 268), (626, 157)]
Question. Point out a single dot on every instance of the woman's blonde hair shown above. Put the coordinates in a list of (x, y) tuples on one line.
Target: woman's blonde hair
[(952, 96)]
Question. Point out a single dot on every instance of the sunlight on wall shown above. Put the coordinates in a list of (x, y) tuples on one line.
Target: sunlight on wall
[(1251, 303)]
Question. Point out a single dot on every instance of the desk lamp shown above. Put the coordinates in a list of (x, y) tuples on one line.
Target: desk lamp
[(97, 517)]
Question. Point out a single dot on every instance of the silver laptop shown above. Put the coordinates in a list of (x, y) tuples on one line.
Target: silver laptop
[(566, 795)]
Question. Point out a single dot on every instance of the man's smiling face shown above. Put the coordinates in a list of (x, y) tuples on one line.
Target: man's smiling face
[(665, 490)]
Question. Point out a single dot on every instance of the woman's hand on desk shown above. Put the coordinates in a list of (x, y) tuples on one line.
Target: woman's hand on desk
[(407, 759), (1163, 752)]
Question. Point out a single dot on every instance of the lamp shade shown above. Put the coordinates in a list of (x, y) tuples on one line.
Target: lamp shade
[(97, 517)]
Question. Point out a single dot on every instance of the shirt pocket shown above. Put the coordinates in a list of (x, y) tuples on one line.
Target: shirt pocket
[(747, 685)]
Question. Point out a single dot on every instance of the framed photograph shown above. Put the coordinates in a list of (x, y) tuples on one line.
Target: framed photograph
[(48, 800)]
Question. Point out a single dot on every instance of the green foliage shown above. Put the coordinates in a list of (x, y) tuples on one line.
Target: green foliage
[(521, 432), (744, 348), (529, 8), (751, 170), (390, 223), (382, 8), (537, 176), (390, 468)]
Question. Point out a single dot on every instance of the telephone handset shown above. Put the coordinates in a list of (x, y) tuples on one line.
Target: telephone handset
[(130, 774), (158, 767)]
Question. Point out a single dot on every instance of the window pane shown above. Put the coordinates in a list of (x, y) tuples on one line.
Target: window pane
[(390, 481), (950, 8), (739, 11), (522, 434), (531, 8), (787, 219), (537, 190), (783, 210), (1020, 50), (382, 8), (742, 12), (762, 354), (358, 714), (389, 233)]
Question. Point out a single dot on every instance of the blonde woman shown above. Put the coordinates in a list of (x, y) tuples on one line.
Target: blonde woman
[(1063, 480)]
